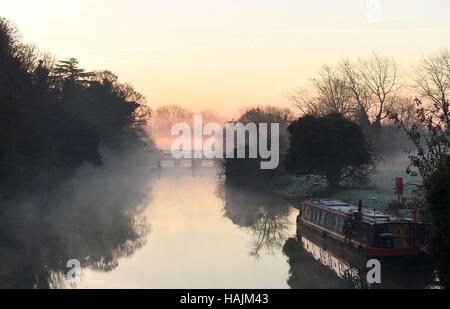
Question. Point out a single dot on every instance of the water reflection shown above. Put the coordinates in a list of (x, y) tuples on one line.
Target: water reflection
[(199, 239), (314, 264), (305, 271), (266, 216), (194, 244), (95, 218)]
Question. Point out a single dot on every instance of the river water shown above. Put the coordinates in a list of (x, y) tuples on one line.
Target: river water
[(178, 228), (193, 244)]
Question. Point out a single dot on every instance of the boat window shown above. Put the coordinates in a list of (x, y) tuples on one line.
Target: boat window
[(341, 268), (341, 223)]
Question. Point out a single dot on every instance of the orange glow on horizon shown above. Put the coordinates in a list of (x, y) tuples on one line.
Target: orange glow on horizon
[(223, 55)]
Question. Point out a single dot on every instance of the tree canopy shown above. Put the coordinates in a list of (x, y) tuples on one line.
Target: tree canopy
[(247, 173), (437, 194), (330, 145), (55, 117)]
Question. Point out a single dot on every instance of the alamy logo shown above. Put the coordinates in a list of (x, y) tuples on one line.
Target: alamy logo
[(235, 136), (74, 274), (374, 274)]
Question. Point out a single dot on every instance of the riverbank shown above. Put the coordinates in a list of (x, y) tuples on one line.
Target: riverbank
[(378, 194)]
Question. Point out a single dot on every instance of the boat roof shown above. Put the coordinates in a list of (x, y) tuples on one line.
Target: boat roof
[(370, 215)]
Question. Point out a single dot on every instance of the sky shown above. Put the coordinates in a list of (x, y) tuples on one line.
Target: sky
[(227, 54)]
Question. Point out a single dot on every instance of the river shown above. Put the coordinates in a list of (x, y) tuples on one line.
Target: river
[(193, 244), (130, 226)]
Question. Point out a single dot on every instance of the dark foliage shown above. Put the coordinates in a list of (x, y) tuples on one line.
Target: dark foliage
[(247, 173), (429, 135), (332, 146), (54, 118), (437, 187), (430, 159)]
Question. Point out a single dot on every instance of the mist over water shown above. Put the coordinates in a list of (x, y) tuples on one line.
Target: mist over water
[(196, 243), (193, 145), (95, 217), (132, 225), (137, 223)]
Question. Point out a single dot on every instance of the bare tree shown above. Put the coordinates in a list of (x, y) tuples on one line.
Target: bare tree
[(430, 136), (333, 91), (361, 94), (405, 109), (306, 104), (432, 78), (380, 76), (166, 116), (362, 90), (332, 95), (431, 132)]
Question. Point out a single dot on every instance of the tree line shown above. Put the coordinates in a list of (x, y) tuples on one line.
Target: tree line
[(55, 116), (368, 90), (353, 109), (341, 130)]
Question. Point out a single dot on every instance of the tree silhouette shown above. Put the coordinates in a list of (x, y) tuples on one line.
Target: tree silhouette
[(437, 187), (332, 146), (264, 215), (54, 118), (247, 173), (68, 70)]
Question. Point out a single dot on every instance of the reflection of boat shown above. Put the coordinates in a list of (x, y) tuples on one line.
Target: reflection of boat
[(342, 268), (351, 267), (344, 237)]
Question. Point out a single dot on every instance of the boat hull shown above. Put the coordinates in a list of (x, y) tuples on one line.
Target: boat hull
[(398, 271), (358, 253)]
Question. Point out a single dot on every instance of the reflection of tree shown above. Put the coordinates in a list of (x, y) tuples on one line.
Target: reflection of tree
[(264, 215), (269, 232), (95, 218)]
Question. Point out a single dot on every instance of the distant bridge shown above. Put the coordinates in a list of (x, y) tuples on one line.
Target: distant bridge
[(189, 159)]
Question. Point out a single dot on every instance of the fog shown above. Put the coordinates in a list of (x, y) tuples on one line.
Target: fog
[(95, 217), (98, 217)]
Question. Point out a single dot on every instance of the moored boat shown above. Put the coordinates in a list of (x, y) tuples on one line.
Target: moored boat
[(360, 233), (353, 271)]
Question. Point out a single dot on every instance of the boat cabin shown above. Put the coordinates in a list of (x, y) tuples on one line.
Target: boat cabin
[(370, 228)]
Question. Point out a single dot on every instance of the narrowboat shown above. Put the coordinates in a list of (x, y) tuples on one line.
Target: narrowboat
[(356, 232), (353, 273)]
